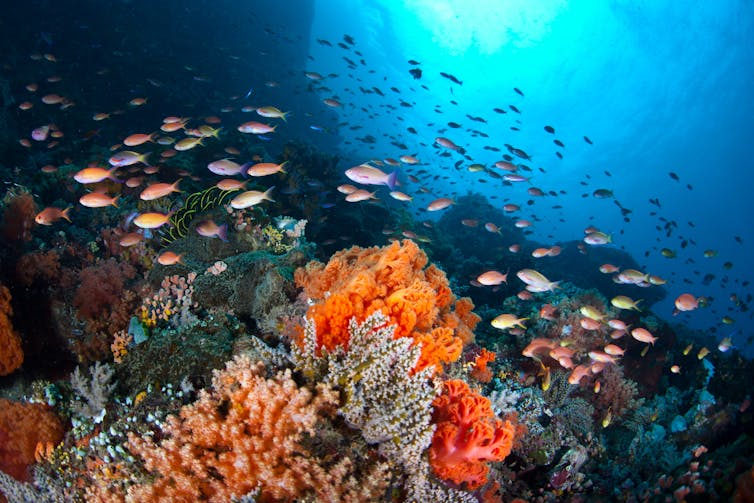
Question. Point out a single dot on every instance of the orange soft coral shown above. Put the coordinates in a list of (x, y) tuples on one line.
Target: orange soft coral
[(480, 372), (468, 435), (11, 354), (247, 433), (22, 427), (395, 280)]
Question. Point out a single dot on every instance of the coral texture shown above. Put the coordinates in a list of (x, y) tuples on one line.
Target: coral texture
[(246, 434), (384, 400), (468, 435), (11, 354), (22, 427), (18, 216), (361, 281)]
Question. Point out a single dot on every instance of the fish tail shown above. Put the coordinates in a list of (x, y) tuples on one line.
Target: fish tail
[(282, 166), (284, 116), (64, 213), (111, 174), (392, 179), (555, 285), (245, 168), (222, 232), (267, 194), (114, 202)]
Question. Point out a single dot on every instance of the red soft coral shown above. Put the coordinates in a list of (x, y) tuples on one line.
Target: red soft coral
[(395, 280), (22, 427), (468, 435), (11, 353)]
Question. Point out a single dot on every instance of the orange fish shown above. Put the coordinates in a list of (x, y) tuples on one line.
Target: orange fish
[(169, 258), (152, 220), (230, 184), (256, 128), (137, 139), (491, 278), (130, 239), (50, 215), (359, 195), (158, 190), (643, 335), (266, 169), (98, 200), (94, 174), (400, 196), (686, 302), (440, 204), (490, 227)]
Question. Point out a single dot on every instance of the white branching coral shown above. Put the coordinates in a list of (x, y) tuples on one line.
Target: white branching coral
[(384, 399), (92, 393)]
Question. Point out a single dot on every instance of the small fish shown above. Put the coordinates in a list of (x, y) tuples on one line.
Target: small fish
[(506, 321), (597, 238), (492, 278), (95, 174), (643, 335), (725, 345), (151, 220), (623, 302), (251, 198), (158, 190), (440, 204), (98, 200), (50, 215), (127, 158), (359, 195), (452, 78), (256, 128), (209, 229), (169, 258), (369, 175), (266, 169), (608, 418), (226, 167)]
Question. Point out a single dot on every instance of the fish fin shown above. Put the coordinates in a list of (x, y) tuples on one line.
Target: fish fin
[(267, 194), (245, 168), (222, 232), (115, 201), (392, 179), (64, 213)]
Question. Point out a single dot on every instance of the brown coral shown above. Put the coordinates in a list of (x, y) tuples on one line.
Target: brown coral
[(18, 216)]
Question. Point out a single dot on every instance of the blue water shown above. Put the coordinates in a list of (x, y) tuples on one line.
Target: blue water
[(658, 86)]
